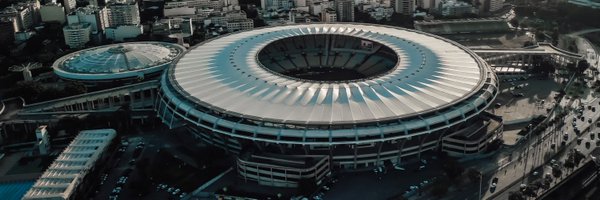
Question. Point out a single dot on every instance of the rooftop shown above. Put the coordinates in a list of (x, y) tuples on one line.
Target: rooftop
[(61, 179), (117, 60), (431, 73)]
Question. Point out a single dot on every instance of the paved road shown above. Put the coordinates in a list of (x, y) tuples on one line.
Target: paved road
[(537, 154), (12, 107)]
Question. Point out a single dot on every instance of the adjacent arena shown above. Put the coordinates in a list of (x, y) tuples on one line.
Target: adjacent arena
[(344, 95), (132, 61)]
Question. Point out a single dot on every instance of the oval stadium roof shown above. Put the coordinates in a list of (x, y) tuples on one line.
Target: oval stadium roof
[(224, 74)]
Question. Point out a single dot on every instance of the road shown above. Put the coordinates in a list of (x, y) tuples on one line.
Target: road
[(539, 153), (12, 107)]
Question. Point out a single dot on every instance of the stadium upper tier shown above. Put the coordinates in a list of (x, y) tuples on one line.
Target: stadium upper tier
[(225, 74), (319, 78), (117, 61)]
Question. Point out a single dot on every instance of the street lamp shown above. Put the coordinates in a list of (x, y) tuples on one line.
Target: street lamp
[(480, 183)]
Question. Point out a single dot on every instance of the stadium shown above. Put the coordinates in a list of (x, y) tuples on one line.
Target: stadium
[(124, 62), (295, 101)]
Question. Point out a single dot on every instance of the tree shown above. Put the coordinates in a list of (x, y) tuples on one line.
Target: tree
[(528, 43), (556, 172), (514, 22), (582, 66), (71, 125), (569, 164), (440, 188), (75, 88), (452, 168), (516, 196), (473, 175), (29, 90)]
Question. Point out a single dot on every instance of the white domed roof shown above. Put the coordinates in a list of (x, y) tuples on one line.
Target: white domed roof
[(225, 75)]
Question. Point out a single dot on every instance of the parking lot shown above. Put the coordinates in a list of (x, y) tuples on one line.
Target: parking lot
[(153, 165), (521, 100)]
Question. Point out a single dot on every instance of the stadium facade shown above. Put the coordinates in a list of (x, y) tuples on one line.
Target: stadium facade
[(354, 95), (123, 62)]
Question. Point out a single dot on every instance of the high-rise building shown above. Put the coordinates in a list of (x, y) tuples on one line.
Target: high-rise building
[(21, 15), (77, 34), (496, 5), (428, 4), (121, 20), (120, 13), (328, 15), (276, 4), (53, 12), (405, 7), (487, 6), (7, 31), (70, 5), (345, 10)]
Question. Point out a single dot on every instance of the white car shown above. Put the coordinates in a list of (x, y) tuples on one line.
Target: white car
[(397, 167), (182, 195)]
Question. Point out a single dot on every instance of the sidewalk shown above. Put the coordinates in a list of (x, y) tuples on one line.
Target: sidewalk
[(537, 155)]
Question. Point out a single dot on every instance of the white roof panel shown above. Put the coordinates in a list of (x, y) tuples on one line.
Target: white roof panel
[(432, 73)]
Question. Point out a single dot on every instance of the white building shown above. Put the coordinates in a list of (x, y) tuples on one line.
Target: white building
[(225, 17), (496, 5), (117, 14), (486, 6), (215, 4), (121, 20), (89, 14), (120, 33), (65, 175), (328, 15), (345, 10), (179, 11), (405, 7), (77, 34), (237, 25), (276, 4), (53, 12), (70, 5), (429, 4), (455, 8), (300, 3), (379, 13), (21, 15), (43, 142)]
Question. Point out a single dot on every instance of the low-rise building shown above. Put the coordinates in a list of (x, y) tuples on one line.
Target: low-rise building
[(77, 34), (283, 171), (89, 14), (53, 12), (237, 25), (121, 33), (328, 15), (455, 8), (67, 175)]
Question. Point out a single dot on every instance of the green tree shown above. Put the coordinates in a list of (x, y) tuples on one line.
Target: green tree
[(515, 196), (75, 88), (440, 188), (29, 90), (452, 168), (473, 175)]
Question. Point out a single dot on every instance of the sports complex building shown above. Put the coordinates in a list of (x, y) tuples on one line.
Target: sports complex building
[(295, 101), (124, 62)]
